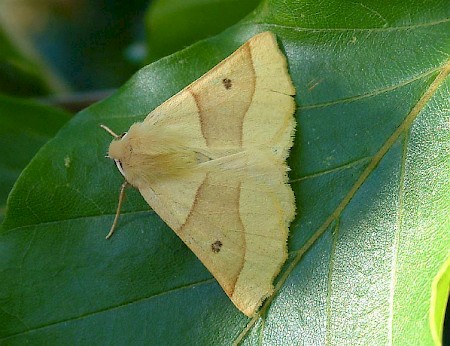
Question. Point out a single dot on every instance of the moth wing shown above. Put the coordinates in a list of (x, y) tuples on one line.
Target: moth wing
[(234, 210), (244, 101), (237, 224)]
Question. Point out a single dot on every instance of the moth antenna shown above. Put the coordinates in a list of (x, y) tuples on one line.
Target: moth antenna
[(119, 206), (111, 132)]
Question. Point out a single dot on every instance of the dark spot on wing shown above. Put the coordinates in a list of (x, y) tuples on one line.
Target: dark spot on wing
[(226, 83), (215, 247)]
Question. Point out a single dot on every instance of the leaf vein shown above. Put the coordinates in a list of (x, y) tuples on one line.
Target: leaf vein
[(83, 217), (396, 242), (375, 92), (334, 234), (373, 29), (112, 308), (348, 165)]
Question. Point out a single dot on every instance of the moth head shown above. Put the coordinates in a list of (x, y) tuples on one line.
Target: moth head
[(118, 149)]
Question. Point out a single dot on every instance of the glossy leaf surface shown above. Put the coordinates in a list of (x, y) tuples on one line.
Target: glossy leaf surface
[(370, 168)]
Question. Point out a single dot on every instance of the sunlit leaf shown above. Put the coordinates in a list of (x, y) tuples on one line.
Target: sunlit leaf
[(370, 168)]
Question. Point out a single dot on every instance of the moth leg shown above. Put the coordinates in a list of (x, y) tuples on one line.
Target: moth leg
[(119, 206)]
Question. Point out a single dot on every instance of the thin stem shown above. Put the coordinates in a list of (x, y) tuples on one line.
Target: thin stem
[(119, 206)]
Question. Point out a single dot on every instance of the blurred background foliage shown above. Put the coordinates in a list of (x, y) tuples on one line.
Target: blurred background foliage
[(80, 44), (56, 46), (194, 20)]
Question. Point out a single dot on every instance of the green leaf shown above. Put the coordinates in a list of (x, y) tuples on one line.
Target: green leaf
[(24, 127), (173, 24), (370, 172)]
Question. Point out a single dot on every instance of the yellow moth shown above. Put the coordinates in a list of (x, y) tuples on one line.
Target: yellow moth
[(211, 161)]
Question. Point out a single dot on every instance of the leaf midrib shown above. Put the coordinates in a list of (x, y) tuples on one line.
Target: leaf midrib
[(404, 126)]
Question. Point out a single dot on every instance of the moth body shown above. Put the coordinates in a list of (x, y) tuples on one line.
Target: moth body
[(146, 155), (211, 162)]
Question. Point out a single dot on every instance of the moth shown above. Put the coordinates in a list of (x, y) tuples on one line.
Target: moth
[(211, 162)]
